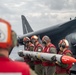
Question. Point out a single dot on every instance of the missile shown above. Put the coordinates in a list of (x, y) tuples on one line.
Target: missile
[(49, 57), (67, 59)]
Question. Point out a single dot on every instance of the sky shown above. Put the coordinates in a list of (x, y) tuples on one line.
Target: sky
[(39, 13)]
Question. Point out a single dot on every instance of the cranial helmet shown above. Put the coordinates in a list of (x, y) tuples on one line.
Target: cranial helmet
[(46, 39), (25, 39), (34, 37), (64, 43), (5, 34)]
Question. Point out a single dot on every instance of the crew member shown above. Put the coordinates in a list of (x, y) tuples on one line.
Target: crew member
[(63, 69), (31, 48), (6, 42), (26, 41), (49, 67), (28, 47), (38, 48)]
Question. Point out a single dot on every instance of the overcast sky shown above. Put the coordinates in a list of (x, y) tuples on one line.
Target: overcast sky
[(39, 13)]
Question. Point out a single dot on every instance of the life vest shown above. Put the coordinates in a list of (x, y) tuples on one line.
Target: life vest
[(9, 67), (31, 46), (36, 47), (26, 58), (60, 70), (47, 50), (36, 50)]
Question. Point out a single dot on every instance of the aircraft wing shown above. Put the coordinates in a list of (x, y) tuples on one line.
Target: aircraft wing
[(55, 33)]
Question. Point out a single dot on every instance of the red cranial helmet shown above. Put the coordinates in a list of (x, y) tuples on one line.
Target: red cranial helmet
[(25, 39)]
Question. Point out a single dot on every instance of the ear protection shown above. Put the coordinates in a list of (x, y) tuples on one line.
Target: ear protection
[(14, 39)]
